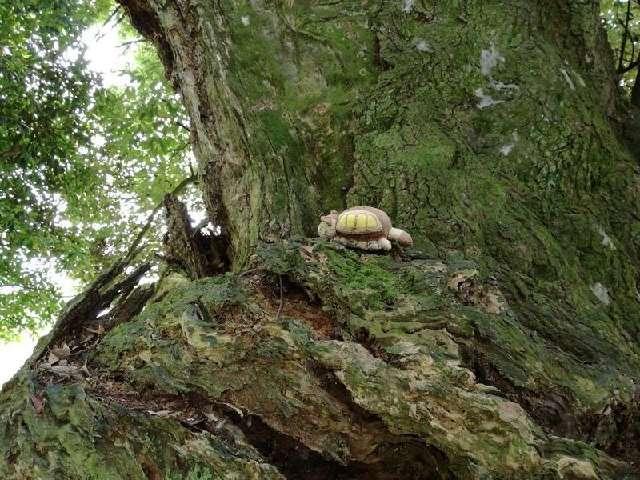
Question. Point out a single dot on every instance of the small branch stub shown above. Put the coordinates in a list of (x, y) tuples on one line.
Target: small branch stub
[(187, 248)]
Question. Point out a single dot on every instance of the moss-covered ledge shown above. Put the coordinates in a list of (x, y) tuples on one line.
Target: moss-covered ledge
[(317, 362), (69, 432)]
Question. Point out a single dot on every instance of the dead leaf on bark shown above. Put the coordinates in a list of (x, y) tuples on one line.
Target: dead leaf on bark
[(306, 251), (99, 330), (62, 351), (38, 403), (66, 371)]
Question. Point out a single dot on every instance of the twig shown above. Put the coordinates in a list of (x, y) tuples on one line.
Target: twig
[(251, 270), (133, 249), (132, 42), (629, 67), (113, 14), (180, 124)]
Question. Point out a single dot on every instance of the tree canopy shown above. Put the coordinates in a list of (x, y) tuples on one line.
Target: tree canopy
[(81, 164), (622, 21)]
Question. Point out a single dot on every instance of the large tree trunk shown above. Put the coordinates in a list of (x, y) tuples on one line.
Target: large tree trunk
[(504, 345)]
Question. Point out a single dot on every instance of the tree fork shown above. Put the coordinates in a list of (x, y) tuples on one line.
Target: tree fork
[(259, 182)]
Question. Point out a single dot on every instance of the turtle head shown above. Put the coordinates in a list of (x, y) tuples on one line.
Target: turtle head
[(327, 226), (400, 236)]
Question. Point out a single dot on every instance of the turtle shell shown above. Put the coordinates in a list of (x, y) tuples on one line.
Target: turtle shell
[(367, 221)]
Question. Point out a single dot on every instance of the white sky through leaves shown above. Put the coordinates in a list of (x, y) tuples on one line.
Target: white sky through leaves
[(108, 57)]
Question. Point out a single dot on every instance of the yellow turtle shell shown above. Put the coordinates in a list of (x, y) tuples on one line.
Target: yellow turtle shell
[(356, 221)]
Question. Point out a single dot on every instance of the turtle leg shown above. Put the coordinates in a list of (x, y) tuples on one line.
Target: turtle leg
[(358, 244), (341, 241), (384, 244), (348, 242), (376, 245), (367, 245)]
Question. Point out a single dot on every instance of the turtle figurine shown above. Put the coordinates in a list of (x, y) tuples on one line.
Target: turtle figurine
[(364, 228)]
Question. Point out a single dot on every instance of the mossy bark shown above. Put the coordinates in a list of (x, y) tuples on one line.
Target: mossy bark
[(504, 345)]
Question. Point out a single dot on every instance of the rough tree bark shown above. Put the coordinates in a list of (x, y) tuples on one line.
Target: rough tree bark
[(504, 345)]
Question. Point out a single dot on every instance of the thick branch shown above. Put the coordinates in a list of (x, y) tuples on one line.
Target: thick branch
[(625, 35)]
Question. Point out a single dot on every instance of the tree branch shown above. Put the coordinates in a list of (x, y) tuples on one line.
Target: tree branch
[(113, 14), (133, 249), (132, 42), (625, 35), (180, 124), (629, 67)]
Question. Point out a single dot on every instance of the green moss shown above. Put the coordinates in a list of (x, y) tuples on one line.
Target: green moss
[(282, 258), (366, 283), (218, 341), (364, 103), (394, 303), (78, 436), (151, 347)]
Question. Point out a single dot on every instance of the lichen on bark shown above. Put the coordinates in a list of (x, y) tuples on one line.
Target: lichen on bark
[(504, 345), (231, 376)]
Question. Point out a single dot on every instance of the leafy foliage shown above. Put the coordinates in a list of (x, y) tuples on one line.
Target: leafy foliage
[(138, 149), (81, 165), (622, 21)]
